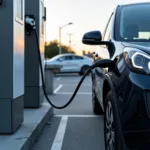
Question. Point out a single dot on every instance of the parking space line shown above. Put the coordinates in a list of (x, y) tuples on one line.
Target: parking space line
[(57, 144), (58, 88), (70, 93), (79, 116)]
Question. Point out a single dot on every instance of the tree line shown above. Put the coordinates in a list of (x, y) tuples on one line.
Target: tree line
[(52, 49)]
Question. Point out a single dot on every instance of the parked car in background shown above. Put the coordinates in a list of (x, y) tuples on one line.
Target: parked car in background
[(71, 63)]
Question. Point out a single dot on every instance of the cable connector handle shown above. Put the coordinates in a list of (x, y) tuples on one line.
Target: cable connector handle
[(30, 20), (29, 24)]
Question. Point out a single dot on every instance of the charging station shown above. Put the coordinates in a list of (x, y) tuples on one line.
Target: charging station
[(34, 96), (11, 64)]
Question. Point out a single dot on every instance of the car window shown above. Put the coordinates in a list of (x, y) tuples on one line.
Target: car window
[(108, 29), (135, 27), (63, 58), (77, 57), (68, 58)]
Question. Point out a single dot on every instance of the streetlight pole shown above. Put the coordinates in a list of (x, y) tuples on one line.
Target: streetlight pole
[(60, 28), (60, 50)]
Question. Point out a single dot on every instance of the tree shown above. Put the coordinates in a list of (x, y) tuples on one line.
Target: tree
[(52, 49)]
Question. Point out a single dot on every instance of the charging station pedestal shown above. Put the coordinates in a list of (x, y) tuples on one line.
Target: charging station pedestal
[(33, 86), (12, 65)]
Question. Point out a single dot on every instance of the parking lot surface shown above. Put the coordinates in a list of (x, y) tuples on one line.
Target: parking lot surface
[(75, 127)]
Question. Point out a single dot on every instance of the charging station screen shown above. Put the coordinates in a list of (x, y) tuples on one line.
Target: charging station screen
[(19, 13)]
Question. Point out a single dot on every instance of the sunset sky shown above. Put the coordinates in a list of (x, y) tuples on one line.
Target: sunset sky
[(86, 15)]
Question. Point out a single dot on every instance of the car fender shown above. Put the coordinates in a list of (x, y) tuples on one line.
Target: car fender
[(107, 79)]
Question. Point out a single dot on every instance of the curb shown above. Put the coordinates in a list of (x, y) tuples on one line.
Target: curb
[(37, 131), (30, 130)]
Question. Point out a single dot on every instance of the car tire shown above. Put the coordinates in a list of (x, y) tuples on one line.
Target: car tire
[(83, 70), (112, 131), (97, 109)]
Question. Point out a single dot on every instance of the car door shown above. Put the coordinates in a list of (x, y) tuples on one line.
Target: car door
[(65, 61), (77, 62), (103, 54), (70, 63)]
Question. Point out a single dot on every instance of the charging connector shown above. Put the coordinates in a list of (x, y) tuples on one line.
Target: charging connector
[(29, 24)]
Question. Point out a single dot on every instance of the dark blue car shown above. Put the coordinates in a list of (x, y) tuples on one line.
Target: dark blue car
[(122, 91)]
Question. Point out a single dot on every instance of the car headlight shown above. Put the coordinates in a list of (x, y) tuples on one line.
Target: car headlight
[(137, 60)]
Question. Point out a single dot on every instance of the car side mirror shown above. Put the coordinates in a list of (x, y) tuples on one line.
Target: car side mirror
[(93, 38)]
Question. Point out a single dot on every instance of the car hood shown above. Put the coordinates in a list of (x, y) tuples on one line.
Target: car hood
[(143, 46)]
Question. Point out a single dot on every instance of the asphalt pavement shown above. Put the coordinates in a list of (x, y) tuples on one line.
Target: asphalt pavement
[(75, 127)]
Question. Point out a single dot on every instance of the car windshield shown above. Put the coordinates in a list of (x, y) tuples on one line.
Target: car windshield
[(55, 57), (133, 23)]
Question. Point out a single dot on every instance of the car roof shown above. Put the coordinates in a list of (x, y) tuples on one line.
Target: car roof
[(134, 3), (67, 54)]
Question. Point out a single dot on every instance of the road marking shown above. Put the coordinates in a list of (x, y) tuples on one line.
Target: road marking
[(70, 93), (58, 78), (57, 144), (79, 116), (58, 88)]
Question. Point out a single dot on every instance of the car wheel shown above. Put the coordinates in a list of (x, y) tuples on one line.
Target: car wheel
[(112, 133), (83, 70), (97, 109)]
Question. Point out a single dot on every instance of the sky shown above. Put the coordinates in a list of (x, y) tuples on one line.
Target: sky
[(86, 15)]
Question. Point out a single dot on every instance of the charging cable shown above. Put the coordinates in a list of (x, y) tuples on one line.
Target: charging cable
[(102, 63)]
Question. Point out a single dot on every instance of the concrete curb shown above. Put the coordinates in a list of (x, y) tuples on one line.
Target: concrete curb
[(25, 137)]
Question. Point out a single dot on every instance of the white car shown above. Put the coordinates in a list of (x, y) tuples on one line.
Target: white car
[(71, 63)]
